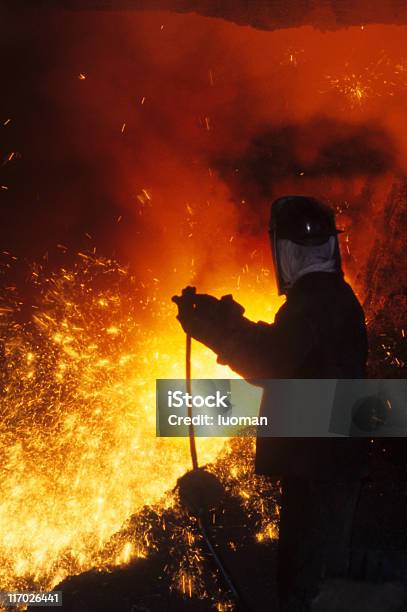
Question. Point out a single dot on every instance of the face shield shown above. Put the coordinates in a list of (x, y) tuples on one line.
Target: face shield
[(303, 239)]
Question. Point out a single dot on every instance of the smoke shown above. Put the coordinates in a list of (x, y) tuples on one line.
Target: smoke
[(320, 149), (161, 138)]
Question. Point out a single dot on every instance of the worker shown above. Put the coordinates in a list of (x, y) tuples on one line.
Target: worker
[(318, 333)]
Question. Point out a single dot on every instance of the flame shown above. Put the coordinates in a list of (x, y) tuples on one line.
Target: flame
[(78, 444)]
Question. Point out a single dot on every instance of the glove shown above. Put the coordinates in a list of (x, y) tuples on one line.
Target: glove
[(196, 310), (206, 318)]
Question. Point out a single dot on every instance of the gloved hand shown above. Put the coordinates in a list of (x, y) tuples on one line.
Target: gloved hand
[(196, 311), (206, 318)]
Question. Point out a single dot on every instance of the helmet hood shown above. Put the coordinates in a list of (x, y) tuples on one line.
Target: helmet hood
[(307, 222)]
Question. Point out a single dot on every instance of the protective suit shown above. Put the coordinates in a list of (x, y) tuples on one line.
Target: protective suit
[(319, 332)]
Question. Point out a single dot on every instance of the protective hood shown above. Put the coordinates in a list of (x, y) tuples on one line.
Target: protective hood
[(296, 260)]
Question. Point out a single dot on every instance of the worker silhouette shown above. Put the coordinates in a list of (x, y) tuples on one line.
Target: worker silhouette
[(318, 333)]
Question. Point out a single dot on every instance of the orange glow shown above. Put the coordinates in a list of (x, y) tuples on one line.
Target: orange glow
[(78, 444), (78, 418)]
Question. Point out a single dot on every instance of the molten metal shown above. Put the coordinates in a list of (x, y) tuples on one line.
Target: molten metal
[(78, 444)]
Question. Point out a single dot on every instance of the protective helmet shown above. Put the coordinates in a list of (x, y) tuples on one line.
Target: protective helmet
[(303, 220)]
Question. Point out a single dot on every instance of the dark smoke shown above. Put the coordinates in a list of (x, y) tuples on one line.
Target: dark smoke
[(322, 148)]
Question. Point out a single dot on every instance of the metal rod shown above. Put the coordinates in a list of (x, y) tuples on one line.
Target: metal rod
[(192, 445), (241, 605)]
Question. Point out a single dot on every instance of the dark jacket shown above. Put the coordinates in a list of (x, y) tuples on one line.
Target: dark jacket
[(319, 332)]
